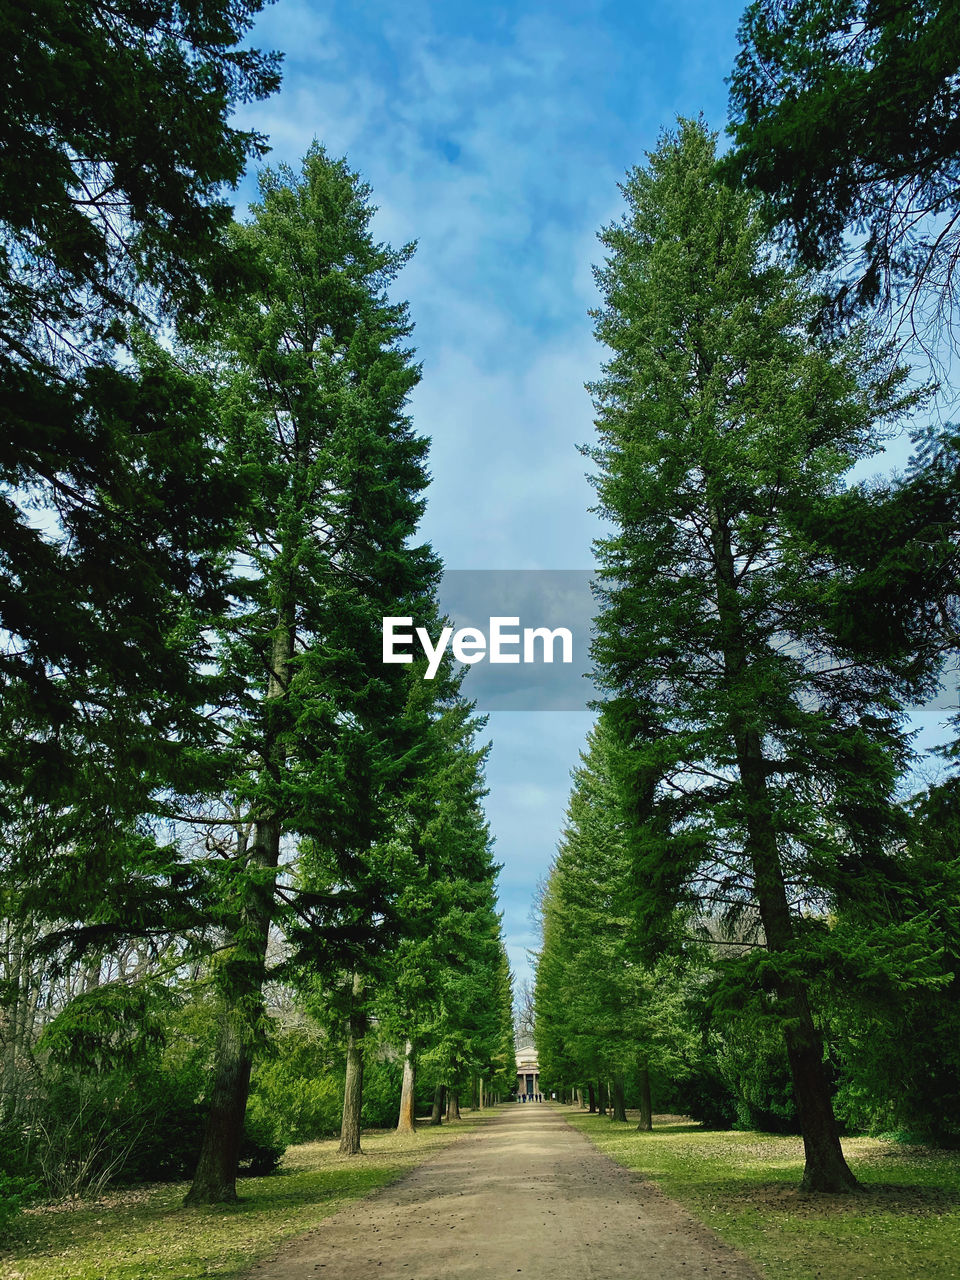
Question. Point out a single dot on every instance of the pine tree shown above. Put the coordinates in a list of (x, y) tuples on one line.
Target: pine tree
[(602, 1012), (718, 417), (845, 116), (447, 877), (314, 379), (113, 506)]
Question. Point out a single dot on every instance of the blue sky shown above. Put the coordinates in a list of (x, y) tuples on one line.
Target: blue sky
[(495, 136)]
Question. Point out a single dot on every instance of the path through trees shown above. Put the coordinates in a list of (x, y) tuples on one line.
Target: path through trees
[(523, 1194)]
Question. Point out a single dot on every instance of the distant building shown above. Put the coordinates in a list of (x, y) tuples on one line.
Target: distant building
[(528, 1071)]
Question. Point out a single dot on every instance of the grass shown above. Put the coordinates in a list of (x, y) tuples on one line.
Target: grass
[(904, 1223), (145, 1233)]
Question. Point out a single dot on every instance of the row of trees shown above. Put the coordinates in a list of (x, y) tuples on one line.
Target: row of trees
[(211, 787), (760, 639), (674, 1026)]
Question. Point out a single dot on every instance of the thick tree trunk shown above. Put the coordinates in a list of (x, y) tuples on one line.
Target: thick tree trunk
[(592, 1095), (406, 1122), (453, 1105), (475, 1093), (215, 1179), (601, 1098), (436, 1114), (353, 1084), (825, 1168), (646, 1107), (618, 1098)]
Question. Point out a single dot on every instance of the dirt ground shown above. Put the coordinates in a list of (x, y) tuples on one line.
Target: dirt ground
[(524, 1194)]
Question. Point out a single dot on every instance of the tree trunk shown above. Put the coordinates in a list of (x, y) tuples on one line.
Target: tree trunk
[(592, 1095), (619, 1101), (475, 1093), (436, 1115), (453, 1105), (646, 1107), (406, 1122), (215, 1179), (825, 1168), (353, 1085), (601, 1098)]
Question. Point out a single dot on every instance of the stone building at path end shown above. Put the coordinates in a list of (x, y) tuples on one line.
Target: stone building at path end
[(528, 1072)]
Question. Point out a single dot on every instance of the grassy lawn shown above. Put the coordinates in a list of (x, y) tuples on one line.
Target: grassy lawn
[(904, 1224), (146, 1234)]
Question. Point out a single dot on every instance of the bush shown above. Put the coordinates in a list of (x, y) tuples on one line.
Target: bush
[(264, 1140), (705, 1096), (15, 1190), (301, 1085), (382, 1080), (752, 1061)]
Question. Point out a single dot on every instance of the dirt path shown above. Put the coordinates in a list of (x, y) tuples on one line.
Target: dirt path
[(523, 1194)]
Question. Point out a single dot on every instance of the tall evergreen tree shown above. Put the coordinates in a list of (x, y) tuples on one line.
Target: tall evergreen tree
[(448, 878), (117, 512), (846, 119), (314, 380), (602, 1011), (719, 416)]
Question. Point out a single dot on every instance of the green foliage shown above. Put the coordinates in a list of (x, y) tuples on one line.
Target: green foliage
[(15, 1191), (897, 1030), (114, 507), (704, 1094), (846, 118), (381, 1090), (90, 1130), (300, 1083), (445, 985), (752, 1061), (765, 760), (211, 421), (264, 1142), (600, 1010)]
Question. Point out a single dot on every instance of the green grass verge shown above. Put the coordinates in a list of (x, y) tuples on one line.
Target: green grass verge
[(146, 1234), (905, 1222)]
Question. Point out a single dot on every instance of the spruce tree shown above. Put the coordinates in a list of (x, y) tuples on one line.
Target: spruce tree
[(444, 863), (718, 417), (314, 380), (113, 507), (603, 1011)]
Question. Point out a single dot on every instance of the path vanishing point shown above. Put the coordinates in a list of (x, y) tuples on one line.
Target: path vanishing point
[(524, 1194)]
